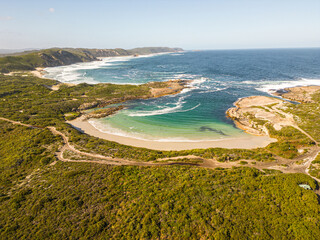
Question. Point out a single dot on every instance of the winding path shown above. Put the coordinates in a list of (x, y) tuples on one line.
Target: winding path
[(292, 167), (292, 122)]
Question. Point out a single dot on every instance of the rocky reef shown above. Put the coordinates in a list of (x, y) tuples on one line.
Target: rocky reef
[(101, 113), (152, 90), (252, 113), (299, 94)]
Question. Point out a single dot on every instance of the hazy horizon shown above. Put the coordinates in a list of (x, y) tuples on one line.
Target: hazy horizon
[(280, 48)]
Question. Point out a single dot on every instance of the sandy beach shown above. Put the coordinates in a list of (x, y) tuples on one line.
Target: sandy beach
[(248, 142), (39, 72)]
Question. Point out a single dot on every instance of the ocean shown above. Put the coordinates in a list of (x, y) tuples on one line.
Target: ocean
[(197, 113)]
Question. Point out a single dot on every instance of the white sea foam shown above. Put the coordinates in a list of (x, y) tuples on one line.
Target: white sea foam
[(71, 74), (198, 81), (195, 84), (185, 76), (107, 128), (249, 82), (213, 90), (272, 87), (155, 112), (165, 110), (190, 109), (186, 90)]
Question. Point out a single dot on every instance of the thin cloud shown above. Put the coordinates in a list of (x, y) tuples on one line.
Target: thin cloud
[(52, 10), (5, 18)]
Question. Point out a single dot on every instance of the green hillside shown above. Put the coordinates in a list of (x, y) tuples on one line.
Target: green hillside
[(65, 56)]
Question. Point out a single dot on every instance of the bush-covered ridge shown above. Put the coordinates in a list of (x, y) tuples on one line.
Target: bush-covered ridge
[(83, 201), (65, 56)]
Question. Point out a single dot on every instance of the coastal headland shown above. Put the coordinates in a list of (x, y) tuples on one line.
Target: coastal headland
[(252, 113), (256, 114), (33, 60)]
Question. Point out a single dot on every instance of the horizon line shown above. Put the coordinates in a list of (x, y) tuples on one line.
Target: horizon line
[(195, 49)]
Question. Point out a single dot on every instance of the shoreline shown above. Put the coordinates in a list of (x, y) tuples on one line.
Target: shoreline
[(257, 138), (39, 72), (249, 142), (253, 140), (45, 71)]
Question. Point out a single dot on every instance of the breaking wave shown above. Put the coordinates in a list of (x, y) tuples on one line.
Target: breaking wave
[(274, 86), (166, 110)]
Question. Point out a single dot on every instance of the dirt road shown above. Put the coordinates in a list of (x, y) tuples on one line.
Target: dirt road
[(284, 165)]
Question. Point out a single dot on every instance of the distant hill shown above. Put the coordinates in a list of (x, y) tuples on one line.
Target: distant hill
[(13, 51), (150, 50), (65, 56)]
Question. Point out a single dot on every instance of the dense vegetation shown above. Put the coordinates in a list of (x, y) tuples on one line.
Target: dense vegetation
[(315, 167), (308, 116), (30, 99), (289, 141), (22, 150), (81, 201), (43, 200), (57, 57)]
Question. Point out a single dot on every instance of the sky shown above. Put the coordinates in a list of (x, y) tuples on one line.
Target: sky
[(190, 24)]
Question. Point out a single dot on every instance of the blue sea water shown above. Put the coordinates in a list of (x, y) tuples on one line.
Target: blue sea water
[(198, 113)]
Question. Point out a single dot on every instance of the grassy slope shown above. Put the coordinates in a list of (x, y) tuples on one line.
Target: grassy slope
[(43, 58)]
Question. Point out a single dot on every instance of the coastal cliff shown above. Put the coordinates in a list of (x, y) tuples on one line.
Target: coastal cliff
[(65, 56)]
